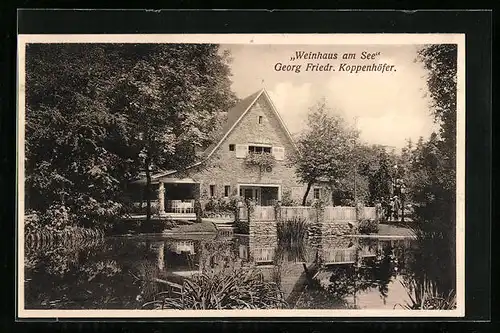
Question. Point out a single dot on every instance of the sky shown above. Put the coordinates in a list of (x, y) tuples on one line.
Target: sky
[(389, 107)]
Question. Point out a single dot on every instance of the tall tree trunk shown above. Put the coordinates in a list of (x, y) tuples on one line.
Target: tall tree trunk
[(309, 185), (148, 190)]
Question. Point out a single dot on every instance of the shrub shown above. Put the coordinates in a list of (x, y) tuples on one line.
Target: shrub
[(286, 199), (242, 227), (57, 217), (212, 205), (368, 227), (221, 206), (32, 222)]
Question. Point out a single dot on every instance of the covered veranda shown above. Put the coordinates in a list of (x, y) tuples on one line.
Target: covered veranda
[(171, 197)]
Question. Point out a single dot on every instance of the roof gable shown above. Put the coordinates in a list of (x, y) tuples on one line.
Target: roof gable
[(234, 116), (238, 112)]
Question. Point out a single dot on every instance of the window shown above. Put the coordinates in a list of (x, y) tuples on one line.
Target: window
[(259, 149), (316, 193), (260, 119), (231, 147), (212, 191), (227, 190)]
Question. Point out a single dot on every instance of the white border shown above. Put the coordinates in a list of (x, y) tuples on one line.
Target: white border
[(296, 39)]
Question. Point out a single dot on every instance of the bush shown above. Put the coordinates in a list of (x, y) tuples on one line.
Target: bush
[(242, 227), (286, 199), (368, 227), (57, 217), (221, 205)]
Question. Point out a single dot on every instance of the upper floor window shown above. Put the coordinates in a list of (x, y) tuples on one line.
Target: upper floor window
[(317, 193), (231, 147), (260, 119), (259, 149)]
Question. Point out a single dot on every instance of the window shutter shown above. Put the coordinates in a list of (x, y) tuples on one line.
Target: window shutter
[(279, 153), (241, 151)]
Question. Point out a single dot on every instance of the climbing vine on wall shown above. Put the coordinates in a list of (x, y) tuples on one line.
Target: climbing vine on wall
[(262, 160)]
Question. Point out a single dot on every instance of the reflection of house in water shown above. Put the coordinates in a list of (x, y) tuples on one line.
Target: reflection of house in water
[(242, 242), (264, 255), (338, 250), (262, 249), (179, 257), (259, 250), (344, 250), (243, 251), (183, 246)]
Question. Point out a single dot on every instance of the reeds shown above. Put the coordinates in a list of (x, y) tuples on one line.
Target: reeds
[(234, 288), (291, 238), (424, 295), (430, 280), (292, 231)]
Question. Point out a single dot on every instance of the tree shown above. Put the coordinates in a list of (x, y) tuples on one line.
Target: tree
[(441, 64), (325, 148), (100, 114), (68, 157), (343, 188), (173, 99), (440, 60), (376, 166), (433, 164)]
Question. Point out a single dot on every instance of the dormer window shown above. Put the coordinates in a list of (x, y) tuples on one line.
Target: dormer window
[(260, 119)]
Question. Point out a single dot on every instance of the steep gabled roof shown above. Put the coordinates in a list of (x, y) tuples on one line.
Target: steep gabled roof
[(234, 116), (238, 112)]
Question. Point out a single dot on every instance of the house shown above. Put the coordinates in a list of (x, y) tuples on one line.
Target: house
[(250, 159)]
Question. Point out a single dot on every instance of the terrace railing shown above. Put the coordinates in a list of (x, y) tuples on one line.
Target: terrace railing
[(299, 212), (329, 214), (339, 214)]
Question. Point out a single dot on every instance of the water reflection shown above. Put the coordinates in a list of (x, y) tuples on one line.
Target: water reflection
[(124, 273)]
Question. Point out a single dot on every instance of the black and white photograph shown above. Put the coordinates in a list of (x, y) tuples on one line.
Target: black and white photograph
[(241, 175)]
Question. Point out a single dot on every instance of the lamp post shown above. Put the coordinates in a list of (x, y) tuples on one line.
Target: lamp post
[(355, 162), (399, 189), (403, 191)]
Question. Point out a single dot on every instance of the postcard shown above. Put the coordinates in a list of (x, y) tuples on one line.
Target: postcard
[(241, 175)]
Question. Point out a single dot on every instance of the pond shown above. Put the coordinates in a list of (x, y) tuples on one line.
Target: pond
[(124, 272)]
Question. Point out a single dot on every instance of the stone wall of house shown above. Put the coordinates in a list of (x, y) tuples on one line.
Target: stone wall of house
[(224, 168), (336, 228), (264, 228)]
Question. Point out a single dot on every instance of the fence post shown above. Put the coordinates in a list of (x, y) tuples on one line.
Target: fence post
[(277, 211), (250, 211), (360, 210)]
